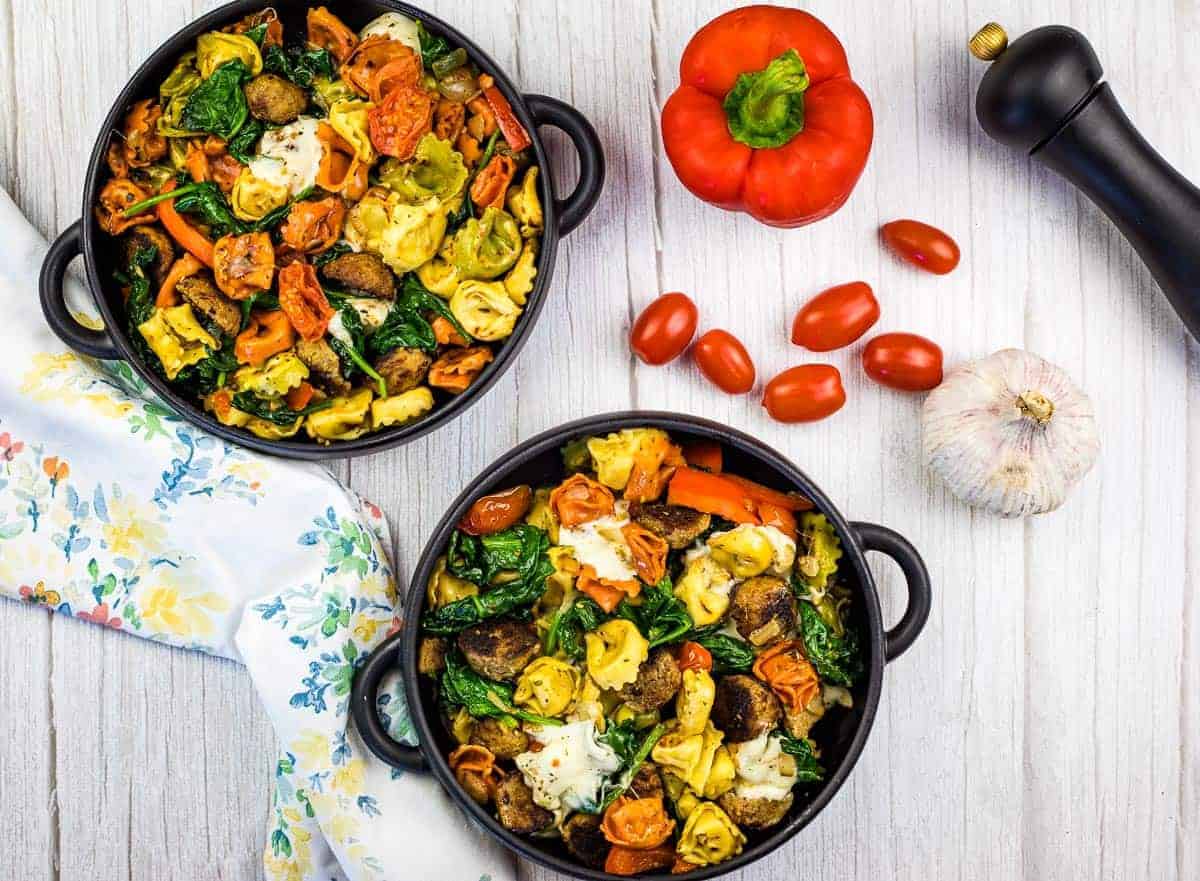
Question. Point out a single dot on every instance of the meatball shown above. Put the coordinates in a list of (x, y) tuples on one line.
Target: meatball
[(647, 782), (206, 299), (678, 525), (494, 735), (474, 784), (275, 100), (799, 723), (754, 813), (658, 679), (403, 369), (362, 272), (143, 236), (744, 708), (324, 366), (431, 655), (583, 838), (515, 807), (499, 648), (763, 609)]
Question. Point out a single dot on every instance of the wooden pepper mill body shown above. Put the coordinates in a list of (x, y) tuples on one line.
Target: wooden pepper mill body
[(1044, 94)]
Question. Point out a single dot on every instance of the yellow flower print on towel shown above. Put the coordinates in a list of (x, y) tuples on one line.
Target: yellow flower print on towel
[(63, 378), (169, 610), (134, 528)]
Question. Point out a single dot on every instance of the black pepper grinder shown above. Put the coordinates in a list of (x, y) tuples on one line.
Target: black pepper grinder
[(1044, 94)]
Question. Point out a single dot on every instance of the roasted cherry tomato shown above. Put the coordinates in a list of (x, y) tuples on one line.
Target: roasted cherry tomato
[(805, 393), (903, 361), (664, 329), (922, 245), (497, 512), (725, 361), (693, 656), (836, 317)]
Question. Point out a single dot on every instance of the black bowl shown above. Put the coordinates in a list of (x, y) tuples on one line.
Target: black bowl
[(100, 251), (538, 462)]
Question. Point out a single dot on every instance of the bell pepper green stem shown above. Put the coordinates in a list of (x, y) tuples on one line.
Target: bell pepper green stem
[(766, 108)]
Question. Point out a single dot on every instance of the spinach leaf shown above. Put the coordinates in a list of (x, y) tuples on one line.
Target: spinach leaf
[(729, 654), (570, 625), (415, 297), (257, 33), (206, 201), (402, 327), (139, 304), (209, 374), (299, 64), (433, 46), (631, 761), (482, 698), (808, 769), (836, 658), (241, 146), (522, 550), (661, 617), (348, 339), (274, 412), (218, 104), (265, 300)]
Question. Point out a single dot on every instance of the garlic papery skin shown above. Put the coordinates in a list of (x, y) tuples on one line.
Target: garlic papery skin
[(1010, 433)]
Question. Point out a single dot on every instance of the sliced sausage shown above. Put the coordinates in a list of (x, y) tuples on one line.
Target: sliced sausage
[(647, 782), (206, 299), (403, 369), (144, 236), (274, 99), (754, 813), (744, 708), (475, 786), (362, 272), (675, 524), (658, 679), (763, 609), (324, 366), (515, 807), (583, 838), (499, 648), (494, 735), (431, 655)]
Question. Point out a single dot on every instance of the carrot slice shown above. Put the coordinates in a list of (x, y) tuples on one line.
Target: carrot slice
[(182, 231)]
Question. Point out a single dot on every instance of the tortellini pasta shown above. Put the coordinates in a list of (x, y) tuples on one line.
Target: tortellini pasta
[(820, 559), (748, 550), (253, 198), (462, 725), (547, 687), (709, 836), (214, 49), (485, 310), (173, 94), (177, 338), (565, 568), (349, 119), (405, 236), (519, 281), (402, 408), (440, 276), (542, 516), (525, 205), (444, 588), (280, 374), (258, 427), (704, 588), (698, 759), (487, 246), (694, 701), (612, 456), (615, 651), (436, 171), (327, 92), (348, 418)]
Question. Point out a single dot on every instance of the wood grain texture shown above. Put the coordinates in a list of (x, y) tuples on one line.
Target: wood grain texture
[(1045, 726)]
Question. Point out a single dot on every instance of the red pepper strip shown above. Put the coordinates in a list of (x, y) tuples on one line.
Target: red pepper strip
[(703, 454), (712, 494), (514, 133), (760, 493), (182, 231)]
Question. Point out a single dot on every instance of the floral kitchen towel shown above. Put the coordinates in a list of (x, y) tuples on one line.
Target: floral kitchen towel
[(115, 510)]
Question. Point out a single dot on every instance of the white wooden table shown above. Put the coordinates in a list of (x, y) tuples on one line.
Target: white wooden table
[(1046, 725)]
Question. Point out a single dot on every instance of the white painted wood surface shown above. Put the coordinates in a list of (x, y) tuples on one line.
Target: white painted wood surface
[(1046, 726)]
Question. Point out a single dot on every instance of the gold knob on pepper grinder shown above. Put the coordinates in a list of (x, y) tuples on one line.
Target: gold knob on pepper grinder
[(989, 41)]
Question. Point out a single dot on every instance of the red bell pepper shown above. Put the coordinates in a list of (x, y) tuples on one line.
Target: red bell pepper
[(766, 119)]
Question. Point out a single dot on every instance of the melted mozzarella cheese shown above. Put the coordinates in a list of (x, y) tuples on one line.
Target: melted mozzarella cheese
[(290, 156), (567, 772), (373, 312), (396, 27), (764, 770), (599, 544)]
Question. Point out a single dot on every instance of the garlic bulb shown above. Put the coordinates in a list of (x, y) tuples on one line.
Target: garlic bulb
[(1009, 433)]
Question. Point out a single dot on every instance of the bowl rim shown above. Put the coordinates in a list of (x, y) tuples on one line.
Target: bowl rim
[(93, 239), (492, 477)]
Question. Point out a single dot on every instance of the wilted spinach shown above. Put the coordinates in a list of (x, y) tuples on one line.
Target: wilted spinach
[(569, 626), (808, 769), (273, 412), (218, 104), (300, 64), (482, 698), (202, 199), (836, 658), (621, 741), (139, 304), (241, 146), (208, 374), (350, 345), (407, 325), (433, 46), (660, 617), (729, 654)]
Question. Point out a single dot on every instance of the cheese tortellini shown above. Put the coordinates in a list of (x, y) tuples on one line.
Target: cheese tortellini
[(348, 418), (694, 701), (615, 651), (748, 550), (402, 408), (485, 310), (440, 276), (436, 171), (173, 95), (349, 119), (279, 375), (177, 338), (486, 246), (704, 588), (519, 281), (525, 206), (612, 456), (547, 687), (254, 198), (215, 48), (698, 759), (445, 588), (404, 235), (709, 836), (542, 516)]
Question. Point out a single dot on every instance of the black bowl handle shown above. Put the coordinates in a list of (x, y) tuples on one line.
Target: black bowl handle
[(550, 111), (920, 594), (366, 713), (50, 283)]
